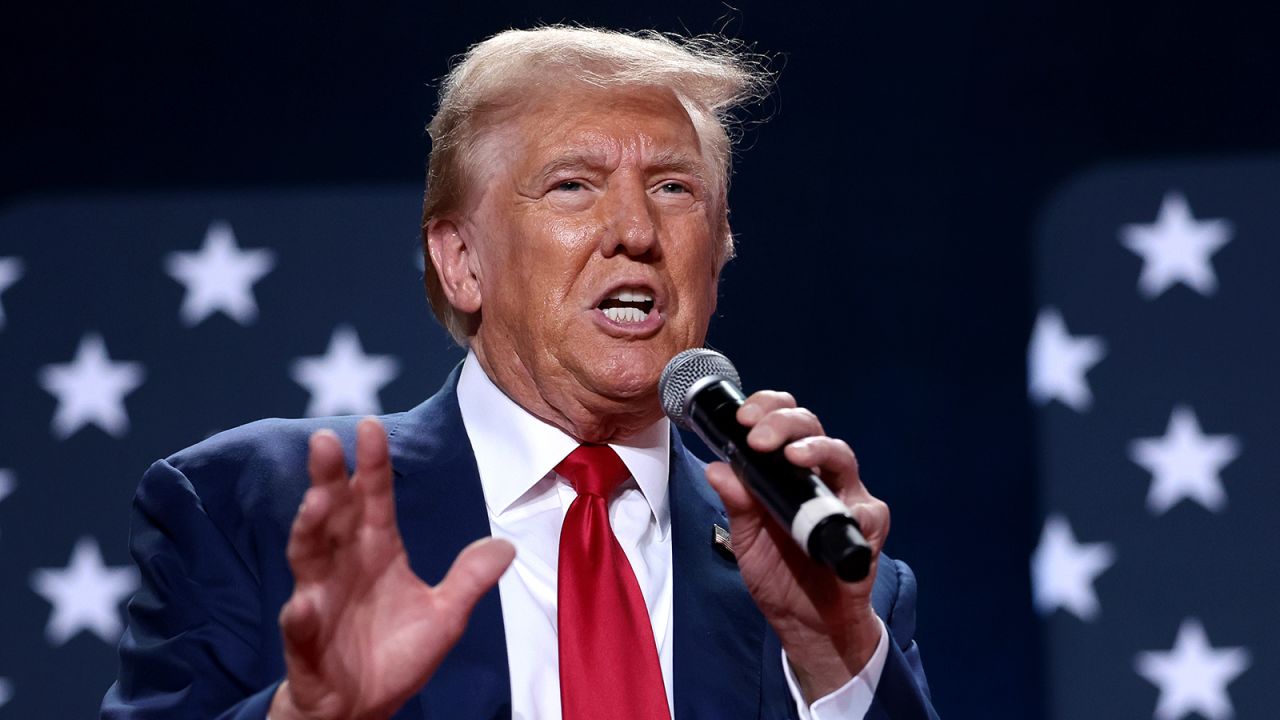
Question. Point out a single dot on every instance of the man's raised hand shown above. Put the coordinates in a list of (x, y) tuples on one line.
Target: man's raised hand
[(362, 633)]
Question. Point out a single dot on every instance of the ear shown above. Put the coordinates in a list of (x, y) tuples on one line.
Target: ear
[(724, 252), (455, 262)]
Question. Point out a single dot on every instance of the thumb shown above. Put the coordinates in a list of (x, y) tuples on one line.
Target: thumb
[(735, 496), (476, 570)]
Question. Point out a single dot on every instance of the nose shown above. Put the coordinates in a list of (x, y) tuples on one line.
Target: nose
[(631, 226)]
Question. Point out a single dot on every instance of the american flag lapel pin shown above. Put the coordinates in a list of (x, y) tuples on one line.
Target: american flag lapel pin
[(723, 542)]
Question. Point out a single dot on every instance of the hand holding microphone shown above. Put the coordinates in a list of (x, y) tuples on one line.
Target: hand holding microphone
[(701, 391), (783, 517)]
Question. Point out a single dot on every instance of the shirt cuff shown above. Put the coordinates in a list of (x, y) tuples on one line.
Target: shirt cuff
[(853, 699)]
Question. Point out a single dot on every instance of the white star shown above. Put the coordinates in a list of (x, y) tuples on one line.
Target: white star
[(344, 379), (91, 389), (85, 595), (1057, 362), (6, 691), (7, 483), (10, 273), (1193, 676), (219, 277), (1176, 248), (1185, 463), (1063, 570)]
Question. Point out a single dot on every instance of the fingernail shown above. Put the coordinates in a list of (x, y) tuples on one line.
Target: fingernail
[(750, 413)]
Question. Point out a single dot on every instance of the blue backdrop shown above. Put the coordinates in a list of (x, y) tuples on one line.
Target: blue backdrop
[(887, 276)]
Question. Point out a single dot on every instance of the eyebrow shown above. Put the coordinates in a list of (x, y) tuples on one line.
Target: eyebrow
[(592, 161), (661, 161), (678, 161)]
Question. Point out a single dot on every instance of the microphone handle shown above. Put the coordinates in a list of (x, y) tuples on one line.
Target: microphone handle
[(818, 521)]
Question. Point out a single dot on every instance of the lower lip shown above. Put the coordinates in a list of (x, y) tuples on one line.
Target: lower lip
[(635, 331)]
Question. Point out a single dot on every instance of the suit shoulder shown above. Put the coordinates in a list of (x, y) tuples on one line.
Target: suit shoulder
[(262, 461), (268, 442)]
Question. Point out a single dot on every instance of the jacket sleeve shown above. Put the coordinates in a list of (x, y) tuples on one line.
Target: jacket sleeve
[(903, 692), (193, 645)]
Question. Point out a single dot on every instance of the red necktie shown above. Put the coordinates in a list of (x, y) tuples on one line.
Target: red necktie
[(608, 660)]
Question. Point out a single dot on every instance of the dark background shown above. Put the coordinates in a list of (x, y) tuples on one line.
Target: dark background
[(884, 211)]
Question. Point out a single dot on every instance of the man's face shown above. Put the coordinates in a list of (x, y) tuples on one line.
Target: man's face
[(596, 251)]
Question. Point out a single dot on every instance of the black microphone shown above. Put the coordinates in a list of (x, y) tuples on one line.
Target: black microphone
[(701, 391)]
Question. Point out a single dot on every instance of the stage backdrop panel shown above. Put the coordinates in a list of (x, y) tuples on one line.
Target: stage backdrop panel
[(1153, 362), (136, 325)]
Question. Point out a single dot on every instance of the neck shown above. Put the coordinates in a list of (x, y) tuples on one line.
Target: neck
[(584, 415)]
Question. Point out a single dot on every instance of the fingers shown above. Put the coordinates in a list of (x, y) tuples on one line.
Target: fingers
[(781, 426), (309, 551), (327, 518), (473, 573), (833, 457), (774, 419), (373, 481), (300, 623), (873, 520), (828, 453), (372, 456), (302, 630), (835, 461), (324, 459), (776, 422), (763, 402)]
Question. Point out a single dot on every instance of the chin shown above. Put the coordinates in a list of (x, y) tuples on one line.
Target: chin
[(628, 373)]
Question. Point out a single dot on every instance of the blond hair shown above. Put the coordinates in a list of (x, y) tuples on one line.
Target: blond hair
[(710, 75)]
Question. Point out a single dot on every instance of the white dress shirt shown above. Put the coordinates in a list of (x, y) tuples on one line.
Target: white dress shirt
[(516, 454)]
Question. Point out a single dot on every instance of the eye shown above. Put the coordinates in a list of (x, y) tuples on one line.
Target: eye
[(673, 188), (569, 186)]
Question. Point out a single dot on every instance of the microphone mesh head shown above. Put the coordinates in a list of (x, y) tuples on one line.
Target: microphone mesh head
[(684, 371)]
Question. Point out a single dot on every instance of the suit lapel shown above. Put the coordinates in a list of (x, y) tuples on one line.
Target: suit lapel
[(441, 509), (719, 633)]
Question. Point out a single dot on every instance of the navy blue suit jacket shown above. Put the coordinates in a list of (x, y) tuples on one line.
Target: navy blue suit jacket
[(209, 530)]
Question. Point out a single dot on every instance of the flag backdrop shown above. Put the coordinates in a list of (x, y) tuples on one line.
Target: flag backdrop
[(135, 326), (886, 218), (1153, 360)]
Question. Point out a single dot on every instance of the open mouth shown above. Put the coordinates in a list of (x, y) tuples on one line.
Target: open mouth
[(627, 306)]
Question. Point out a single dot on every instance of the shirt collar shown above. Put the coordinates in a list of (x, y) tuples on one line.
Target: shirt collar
[(514, 449)]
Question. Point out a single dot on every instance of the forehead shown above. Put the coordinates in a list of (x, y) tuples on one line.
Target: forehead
[(605, 125)]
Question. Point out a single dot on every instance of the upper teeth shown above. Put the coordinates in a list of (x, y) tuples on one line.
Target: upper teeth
[(625, 314), (631, 296)]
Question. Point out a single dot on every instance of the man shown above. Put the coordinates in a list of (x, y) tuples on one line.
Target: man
[(576, 223)]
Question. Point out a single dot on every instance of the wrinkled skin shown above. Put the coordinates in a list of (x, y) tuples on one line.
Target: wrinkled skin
[(586, 190), (827, 627), (361, 632), (600, 189)]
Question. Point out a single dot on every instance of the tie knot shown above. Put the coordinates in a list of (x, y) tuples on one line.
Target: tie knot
[(594, 470)]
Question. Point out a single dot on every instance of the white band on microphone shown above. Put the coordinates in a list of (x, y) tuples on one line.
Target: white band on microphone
[(812, 512)]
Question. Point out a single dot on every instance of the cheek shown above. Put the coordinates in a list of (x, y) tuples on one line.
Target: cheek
[(698, 280), (545, 260), (569, 241)]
